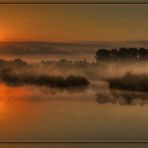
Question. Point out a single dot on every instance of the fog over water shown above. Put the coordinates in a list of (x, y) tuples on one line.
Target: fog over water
[(37, 50), (34, 107)]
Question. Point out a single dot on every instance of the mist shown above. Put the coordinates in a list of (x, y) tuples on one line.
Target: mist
[(76, 75), (34, 51)]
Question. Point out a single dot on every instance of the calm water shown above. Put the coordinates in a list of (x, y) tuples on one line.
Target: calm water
[(31, 113)]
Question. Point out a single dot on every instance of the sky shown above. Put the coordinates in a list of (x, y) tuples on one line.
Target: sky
[(73, 23)]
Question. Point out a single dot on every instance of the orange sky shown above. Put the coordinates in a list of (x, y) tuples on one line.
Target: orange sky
[(73, 22)]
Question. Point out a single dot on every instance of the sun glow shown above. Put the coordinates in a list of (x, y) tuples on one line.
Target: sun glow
[(1, 36), (10, 97)]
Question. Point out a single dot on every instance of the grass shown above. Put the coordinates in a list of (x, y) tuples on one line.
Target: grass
[(131, 82), (14, 79)]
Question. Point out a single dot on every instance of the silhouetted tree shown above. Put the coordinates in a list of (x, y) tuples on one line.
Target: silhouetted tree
[(114, 54), (122, 54), (103, 54), (133, 53), (143, 53)]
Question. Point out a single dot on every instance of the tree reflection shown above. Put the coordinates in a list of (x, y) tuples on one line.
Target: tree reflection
[(122, 97)]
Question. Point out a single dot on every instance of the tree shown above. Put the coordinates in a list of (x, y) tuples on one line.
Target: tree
[(103, 54), (122, 54), (114, 54), (143, 54)]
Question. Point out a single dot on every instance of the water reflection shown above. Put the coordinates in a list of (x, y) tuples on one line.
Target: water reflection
[(122, 97), (12, 99), (17, 97), (54, 91), (33, 113), (102, 94)]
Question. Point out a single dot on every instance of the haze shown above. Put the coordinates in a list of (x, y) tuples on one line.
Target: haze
[(77, 22)]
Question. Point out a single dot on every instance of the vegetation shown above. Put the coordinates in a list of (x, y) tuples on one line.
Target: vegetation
[(14, 79), (131, 82), (122, 97), (122, 54)]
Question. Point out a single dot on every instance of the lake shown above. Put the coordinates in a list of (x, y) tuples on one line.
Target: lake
[(31, 113)]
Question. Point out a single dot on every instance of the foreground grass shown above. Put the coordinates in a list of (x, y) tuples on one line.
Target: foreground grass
[(131, 82)]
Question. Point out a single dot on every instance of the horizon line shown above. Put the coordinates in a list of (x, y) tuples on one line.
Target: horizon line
[(82, 41)]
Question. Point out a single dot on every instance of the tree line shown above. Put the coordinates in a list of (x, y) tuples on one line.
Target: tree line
[(123, 54)]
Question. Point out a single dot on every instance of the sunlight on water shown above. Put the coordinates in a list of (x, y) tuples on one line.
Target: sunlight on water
[(9, 96), (30, 113)]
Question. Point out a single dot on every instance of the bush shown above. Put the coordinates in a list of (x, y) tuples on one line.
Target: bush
[(132, 82), (12, 78)]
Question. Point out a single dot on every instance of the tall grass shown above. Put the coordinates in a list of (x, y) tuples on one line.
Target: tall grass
[(131, 82), (16, 79)]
